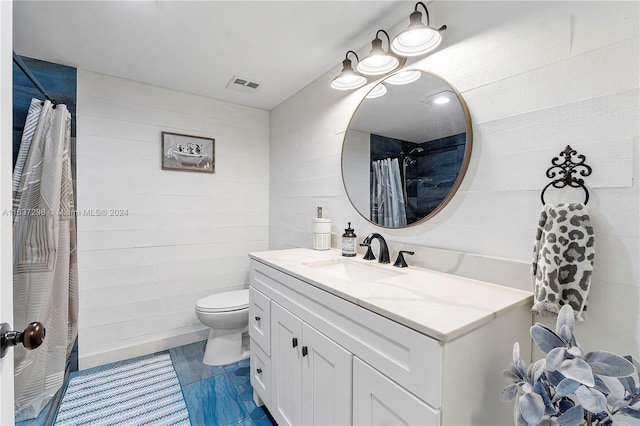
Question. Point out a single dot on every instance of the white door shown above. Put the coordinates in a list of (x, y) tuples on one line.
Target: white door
[(379, 401), (286, 366), (326, 380), (6, 245)]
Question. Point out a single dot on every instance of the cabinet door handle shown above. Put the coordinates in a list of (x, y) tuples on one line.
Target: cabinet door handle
[(257, 318), (304, 351), (294, 342), (259, 370)]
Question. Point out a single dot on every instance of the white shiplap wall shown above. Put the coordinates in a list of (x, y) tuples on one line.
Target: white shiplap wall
[(536, 76), (186, 234)]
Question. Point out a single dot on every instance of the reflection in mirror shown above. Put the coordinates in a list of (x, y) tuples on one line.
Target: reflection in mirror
[(405, 152)]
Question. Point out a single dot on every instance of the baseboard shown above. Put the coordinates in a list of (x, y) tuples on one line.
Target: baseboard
[(143, 348)]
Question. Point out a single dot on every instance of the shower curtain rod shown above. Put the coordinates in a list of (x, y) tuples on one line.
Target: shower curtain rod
[(18, 61)]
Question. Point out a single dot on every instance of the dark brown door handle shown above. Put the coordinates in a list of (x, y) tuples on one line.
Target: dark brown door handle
[(31, 337), (294, 342)]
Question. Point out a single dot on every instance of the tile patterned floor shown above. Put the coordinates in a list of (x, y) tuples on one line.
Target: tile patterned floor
[(219, 395), (215, 396)]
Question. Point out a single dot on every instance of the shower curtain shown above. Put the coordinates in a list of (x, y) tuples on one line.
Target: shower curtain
[(44, 263), (387, 199)]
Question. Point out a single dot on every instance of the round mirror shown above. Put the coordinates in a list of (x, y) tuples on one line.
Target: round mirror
[(406, 149)]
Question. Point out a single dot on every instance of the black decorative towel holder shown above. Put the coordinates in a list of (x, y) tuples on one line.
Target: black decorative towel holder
[(563, 174)]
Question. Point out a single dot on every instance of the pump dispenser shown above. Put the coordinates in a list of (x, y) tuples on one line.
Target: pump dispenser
[(349, 246)]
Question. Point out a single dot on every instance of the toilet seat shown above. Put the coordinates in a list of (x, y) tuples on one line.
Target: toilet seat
[(227, 301)]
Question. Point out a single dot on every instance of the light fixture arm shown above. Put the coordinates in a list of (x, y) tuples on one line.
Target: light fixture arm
[(348, 78), (416, 16), (426, 11), (346, 56), (388, 38)]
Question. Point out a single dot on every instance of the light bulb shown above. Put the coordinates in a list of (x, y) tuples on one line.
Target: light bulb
[(378, 91), (348, 79), (403, 77), (415, 42)]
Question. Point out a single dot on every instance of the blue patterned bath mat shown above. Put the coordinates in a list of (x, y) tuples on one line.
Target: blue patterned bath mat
[(142, 392)]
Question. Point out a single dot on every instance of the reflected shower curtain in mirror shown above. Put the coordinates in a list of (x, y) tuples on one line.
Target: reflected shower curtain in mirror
[(387, 199), (44, 255)]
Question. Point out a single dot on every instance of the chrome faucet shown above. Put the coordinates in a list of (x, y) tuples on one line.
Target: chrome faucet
[(384, 250)]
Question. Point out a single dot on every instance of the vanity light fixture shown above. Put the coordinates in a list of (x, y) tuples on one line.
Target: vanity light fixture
[(348, 79), (403, 77), (377, 92), (418, 38), (379, 61)]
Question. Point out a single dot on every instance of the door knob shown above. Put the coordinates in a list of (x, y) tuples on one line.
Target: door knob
[(31, 337)]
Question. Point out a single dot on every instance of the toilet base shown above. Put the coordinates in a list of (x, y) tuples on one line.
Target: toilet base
[(224, 347)]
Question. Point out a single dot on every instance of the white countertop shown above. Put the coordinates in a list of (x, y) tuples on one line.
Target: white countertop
[(437, 304)]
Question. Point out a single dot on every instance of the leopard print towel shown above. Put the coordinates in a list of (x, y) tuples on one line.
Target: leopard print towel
[(563, 256)]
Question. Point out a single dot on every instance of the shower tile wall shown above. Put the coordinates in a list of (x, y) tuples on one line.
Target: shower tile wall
[(184, 235), (60, 83), (431, 173), (435, 172)]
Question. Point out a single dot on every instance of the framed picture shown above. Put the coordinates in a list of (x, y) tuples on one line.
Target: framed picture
[(188, 153)]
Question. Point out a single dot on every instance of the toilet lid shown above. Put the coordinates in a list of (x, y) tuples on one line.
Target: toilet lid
[(224, 302)]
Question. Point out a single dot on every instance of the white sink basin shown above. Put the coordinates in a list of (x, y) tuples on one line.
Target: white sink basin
[(350, 270)]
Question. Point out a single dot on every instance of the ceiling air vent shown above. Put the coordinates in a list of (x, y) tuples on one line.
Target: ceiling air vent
[(242, 84)]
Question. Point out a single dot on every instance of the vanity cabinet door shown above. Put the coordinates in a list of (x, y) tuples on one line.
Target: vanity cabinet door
[(326, 380), (260, 319), (311, 374), (286, 366), (260, 365), (379, 401)]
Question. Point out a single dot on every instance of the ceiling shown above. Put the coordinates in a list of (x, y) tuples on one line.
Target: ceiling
[(407, 112), (198, 46)]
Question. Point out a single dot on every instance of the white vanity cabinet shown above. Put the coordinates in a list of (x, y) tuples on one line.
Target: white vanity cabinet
[(311, 374), (299, 373), (260, 320), (379, 401), (260, 333), (325, 360)]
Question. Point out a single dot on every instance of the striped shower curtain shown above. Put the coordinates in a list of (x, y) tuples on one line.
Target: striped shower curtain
[(45, 265), (387, 199)]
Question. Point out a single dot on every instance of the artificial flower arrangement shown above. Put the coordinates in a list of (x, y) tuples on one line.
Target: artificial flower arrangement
[(570, 387)]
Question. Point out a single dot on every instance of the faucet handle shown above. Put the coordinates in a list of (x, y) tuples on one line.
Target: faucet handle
[(400, 262), (369, 254)]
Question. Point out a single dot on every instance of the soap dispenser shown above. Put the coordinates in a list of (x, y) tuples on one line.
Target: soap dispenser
[(349, 246)]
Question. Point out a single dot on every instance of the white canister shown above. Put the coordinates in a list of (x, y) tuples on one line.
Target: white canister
[(321, 229)]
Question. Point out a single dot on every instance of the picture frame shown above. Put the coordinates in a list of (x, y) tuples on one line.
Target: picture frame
[(188, 153)]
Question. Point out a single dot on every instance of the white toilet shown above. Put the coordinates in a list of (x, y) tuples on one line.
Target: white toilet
[(227, 314)]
